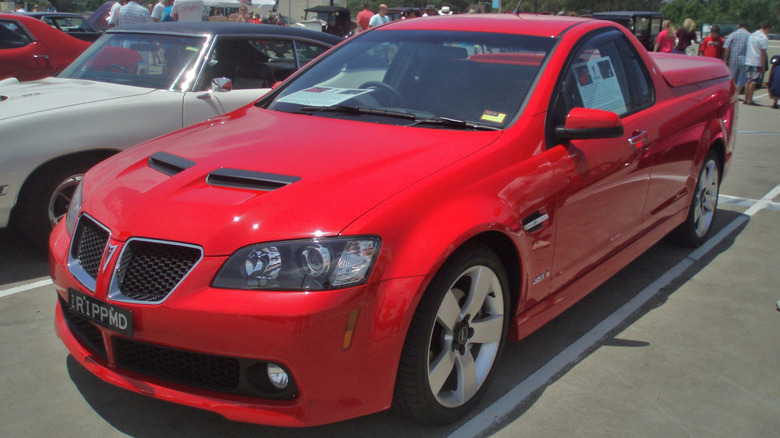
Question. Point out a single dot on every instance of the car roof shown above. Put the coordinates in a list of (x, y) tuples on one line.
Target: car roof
[(19, 17), (523, 24), (627, 14), (52, 14), (226, 28)]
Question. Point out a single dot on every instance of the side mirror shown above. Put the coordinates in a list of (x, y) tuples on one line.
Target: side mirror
[(586, 123), (221, 84)]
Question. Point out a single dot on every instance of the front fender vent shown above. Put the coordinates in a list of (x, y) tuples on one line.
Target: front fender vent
[(169, 164), (245, 179)]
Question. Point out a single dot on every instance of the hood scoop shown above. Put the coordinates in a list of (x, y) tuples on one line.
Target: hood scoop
[(245, 179), (169, 164)]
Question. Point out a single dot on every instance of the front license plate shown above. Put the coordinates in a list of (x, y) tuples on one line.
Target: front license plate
[(115, 318)]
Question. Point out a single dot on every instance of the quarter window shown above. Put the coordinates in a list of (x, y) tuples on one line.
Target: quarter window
[(13, 36)]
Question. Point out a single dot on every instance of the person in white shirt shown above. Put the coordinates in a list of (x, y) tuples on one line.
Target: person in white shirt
[(379, 18), (133, 13), (187, 10), (20, 8), (113, 13), (755, 60)]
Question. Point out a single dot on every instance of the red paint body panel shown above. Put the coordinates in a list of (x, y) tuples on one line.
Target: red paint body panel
[(424, 192), (49, 53)]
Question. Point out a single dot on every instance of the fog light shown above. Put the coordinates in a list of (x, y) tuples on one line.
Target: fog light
[(277, 376)]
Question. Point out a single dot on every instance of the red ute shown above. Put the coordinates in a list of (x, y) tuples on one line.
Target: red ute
[(31, 49), (372, 231)]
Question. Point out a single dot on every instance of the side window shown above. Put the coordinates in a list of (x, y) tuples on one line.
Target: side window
[(13, 36), (606, 73), (249, 63), (308, 51)]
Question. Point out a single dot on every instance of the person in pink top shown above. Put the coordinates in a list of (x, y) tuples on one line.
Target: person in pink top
[(664, 42)]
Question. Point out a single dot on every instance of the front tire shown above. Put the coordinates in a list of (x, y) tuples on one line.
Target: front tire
[(701, 214), (45, 198), (455, 338)]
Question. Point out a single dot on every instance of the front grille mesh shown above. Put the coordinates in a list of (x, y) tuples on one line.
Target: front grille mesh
[(92, 241), (195, 369), (84, 330), (149, 271)]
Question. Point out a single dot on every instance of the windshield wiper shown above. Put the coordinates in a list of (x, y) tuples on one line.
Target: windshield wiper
[(358, 110), (454, 123)]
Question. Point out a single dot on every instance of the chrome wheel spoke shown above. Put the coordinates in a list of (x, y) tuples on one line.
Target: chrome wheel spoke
[(467, 377), (488, 330), (441, 369), (449, 312), (481, 286)]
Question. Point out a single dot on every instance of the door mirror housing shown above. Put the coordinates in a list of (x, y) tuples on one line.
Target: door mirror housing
[(588, 123)]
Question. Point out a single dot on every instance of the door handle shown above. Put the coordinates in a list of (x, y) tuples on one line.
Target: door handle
[(41, 56), (639, 140)]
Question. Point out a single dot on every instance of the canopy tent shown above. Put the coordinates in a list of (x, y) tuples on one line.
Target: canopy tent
[(253, 4)]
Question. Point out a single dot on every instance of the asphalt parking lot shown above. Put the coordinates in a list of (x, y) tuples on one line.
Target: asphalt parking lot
[(679, 343)]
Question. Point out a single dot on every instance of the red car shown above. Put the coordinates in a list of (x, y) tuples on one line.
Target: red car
[(31, 49), (372, 231)]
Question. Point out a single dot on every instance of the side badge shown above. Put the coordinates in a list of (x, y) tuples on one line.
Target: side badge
[(541, 277)]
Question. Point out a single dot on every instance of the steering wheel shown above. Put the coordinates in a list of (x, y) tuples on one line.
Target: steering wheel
[(388, 88), (124, 70)]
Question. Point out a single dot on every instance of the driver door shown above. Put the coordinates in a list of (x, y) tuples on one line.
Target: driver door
[(601, 209)]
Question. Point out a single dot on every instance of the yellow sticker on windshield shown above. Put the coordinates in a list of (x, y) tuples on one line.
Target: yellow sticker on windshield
[(493, 116), (193, 49)]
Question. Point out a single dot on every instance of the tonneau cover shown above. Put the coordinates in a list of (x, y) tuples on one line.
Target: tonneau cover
[(679, 70)]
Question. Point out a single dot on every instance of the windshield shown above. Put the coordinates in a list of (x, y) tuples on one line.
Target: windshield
[(141, 60), (413, 78)]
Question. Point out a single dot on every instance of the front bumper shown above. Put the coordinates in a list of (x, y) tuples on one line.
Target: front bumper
[(303, 332)]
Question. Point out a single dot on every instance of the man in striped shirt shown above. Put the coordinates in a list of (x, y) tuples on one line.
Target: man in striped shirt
[(133, 13), (736, 48)]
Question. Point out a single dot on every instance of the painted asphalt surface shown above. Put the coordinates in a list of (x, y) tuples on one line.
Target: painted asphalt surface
[(679, 343)]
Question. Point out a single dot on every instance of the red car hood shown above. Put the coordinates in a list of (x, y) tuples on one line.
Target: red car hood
[(345, 168)]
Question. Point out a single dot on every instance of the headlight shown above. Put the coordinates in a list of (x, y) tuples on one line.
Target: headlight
[(316, 264), (73, 210)]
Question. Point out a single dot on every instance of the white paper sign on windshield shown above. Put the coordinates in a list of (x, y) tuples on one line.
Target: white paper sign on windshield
[(598, 85), (323, 96)]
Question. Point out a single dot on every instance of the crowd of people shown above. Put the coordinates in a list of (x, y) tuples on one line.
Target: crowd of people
[(743, 51), (367, 19)]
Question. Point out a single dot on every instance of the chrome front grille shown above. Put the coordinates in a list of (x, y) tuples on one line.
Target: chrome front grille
[(86, 251), (149, 270)]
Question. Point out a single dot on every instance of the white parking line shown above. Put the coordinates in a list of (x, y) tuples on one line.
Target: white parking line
[(25, 287), (543, 377)]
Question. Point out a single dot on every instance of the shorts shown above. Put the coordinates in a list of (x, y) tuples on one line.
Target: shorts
[(738, 74), (753, 74)]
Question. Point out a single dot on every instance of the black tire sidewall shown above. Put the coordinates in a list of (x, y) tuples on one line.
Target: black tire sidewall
[(686, 233), (414, 398)]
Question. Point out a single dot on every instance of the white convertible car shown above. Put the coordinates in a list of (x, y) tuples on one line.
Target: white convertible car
[(131, 85)]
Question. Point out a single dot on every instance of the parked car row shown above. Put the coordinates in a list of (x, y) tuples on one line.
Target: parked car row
[(373, 230)]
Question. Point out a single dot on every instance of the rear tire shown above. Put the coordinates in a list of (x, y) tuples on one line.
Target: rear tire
[(701, 214), (455, 339)]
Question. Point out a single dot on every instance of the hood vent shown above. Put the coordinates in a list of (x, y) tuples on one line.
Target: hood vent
[(169, 164), (244, 179)]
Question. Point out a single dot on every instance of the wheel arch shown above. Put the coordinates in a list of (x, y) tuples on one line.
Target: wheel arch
[(506, 250), (719, 147), (95, 155)]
